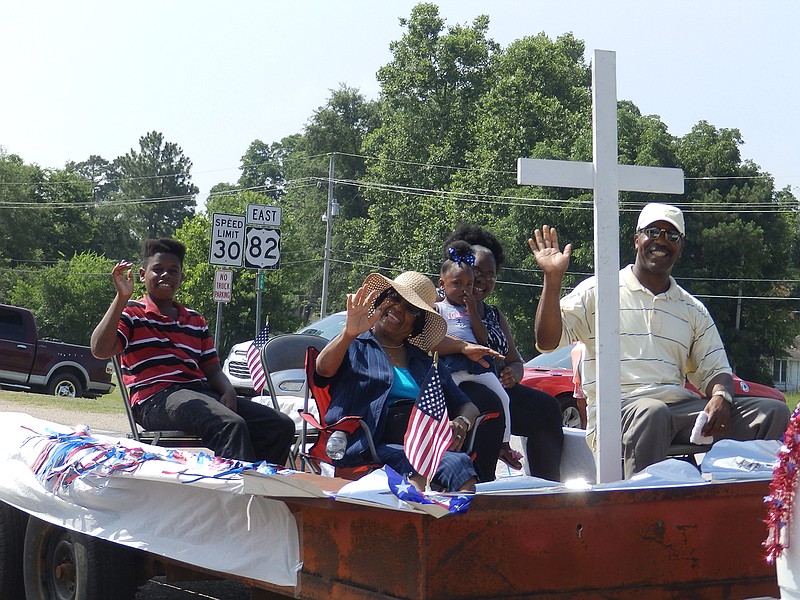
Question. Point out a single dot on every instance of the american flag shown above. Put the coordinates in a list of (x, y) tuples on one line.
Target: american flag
[(254, 360), (400, 486), (428, 435)]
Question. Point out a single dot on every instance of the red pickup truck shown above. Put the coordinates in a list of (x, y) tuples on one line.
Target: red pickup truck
[(43, 365)]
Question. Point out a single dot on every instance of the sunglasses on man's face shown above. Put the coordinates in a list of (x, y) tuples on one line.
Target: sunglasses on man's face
[(654, 233)]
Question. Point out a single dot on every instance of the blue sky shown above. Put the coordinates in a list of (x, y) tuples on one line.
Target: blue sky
[(90, 77)]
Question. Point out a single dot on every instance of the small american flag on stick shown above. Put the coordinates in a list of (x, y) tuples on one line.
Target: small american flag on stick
[(254, 360), (428, 435)]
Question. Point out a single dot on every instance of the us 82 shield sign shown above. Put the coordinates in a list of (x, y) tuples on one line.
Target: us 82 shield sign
[(263, 248)]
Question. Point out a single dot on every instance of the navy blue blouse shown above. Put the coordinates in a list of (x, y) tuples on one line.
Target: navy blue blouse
[(361, 387)]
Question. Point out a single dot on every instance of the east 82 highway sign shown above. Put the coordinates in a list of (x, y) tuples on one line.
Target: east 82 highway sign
[(263, 248)]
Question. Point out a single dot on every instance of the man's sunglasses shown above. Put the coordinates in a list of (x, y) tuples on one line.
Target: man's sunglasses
[(654, 233)]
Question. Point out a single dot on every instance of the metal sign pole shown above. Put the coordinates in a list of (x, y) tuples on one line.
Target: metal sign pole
[(218, 325), (259, 279)]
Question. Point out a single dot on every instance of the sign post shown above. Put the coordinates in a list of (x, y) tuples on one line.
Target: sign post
[(223, 290)]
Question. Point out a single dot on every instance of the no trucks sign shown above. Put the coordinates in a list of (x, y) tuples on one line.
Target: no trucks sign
[(223, 285)]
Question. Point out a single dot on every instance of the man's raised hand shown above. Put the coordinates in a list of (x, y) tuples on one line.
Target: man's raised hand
[(551, 260)]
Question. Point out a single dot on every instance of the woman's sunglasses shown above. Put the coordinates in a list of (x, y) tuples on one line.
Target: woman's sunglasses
[(394, 297)]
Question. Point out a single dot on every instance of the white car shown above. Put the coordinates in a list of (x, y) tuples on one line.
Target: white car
[(287, 383)]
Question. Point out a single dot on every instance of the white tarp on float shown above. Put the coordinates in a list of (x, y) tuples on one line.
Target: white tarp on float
[(185, 511), (207, 523)]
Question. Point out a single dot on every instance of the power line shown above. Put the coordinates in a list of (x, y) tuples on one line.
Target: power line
[(243, 166), (547, 203), (299, 183)]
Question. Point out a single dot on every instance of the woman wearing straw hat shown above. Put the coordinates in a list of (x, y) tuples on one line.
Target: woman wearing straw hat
[(381, 358)]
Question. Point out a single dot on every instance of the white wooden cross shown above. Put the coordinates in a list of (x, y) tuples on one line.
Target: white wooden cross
[(606, 177)]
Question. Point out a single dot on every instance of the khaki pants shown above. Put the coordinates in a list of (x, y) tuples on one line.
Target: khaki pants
[(650, 426)]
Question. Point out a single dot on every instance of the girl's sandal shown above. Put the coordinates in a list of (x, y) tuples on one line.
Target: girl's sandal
[(511, 457)]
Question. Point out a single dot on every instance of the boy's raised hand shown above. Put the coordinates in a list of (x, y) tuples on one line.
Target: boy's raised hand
[(122, 276)]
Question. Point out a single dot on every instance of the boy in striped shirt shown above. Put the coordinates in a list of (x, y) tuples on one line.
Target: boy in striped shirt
[(171, 367)]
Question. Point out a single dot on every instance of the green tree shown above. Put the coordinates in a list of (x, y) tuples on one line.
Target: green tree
[(21, 209), (740, 234), (110, 233), (262, 168), (455, 112), (156, 185), (430, 93), (69, 297), (294, 175)]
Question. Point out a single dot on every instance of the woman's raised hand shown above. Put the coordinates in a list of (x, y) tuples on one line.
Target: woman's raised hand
[(551, 260), (358, 306)]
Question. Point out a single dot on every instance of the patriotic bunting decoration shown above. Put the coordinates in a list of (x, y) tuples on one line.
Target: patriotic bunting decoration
[(782, 490), (65, 457)]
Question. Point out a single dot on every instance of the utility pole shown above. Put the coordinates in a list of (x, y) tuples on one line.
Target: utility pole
[(328, 218)]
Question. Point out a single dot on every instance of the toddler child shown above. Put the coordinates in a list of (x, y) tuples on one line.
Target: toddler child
[(458, 307)]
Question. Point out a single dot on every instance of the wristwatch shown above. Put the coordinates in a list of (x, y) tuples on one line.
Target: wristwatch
[(726, 395)]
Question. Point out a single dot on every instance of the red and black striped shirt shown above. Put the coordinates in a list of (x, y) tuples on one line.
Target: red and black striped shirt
[(158, 351)]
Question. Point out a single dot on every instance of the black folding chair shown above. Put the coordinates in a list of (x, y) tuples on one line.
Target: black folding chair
[(687, 452), (287, 352), (171, 438)]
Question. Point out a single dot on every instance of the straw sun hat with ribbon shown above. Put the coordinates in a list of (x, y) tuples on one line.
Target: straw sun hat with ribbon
[(418, 290)]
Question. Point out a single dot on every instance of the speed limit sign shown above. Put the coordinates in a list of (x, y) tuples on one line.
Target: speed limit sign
[(227, 240), (263, 248)]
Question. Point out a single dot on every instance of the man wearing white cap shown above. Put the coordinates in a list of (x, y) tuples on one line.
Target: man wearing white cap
[(666, 336)]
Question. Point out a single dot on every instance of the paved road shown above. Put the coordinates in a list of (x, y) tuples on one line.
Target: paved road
[(159, 589)]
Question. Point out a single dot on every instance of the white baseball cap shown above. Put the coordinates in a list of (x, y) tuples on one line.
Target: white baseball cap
[(655, 211)]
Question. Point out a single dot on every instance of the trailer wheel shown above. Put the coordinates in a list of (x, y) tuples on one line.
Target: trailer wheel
[(12, 540), (65, 385), (60, 564)]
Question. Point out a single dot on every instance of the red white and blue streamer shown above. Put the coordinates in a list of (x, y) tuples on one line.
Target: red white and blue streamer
[(780, 500)]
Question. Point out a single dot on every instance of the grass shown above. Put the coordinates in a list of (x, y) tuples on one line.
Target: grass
[(792, 398), (107, 404), (112, 403)]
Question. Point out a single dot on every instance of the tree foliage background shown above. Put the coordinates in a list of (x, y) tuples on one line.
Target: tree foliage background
[(438, 146)]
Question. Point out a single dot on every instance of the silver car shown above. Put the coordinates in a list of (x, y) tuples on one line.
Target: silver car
[(235, 365)]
